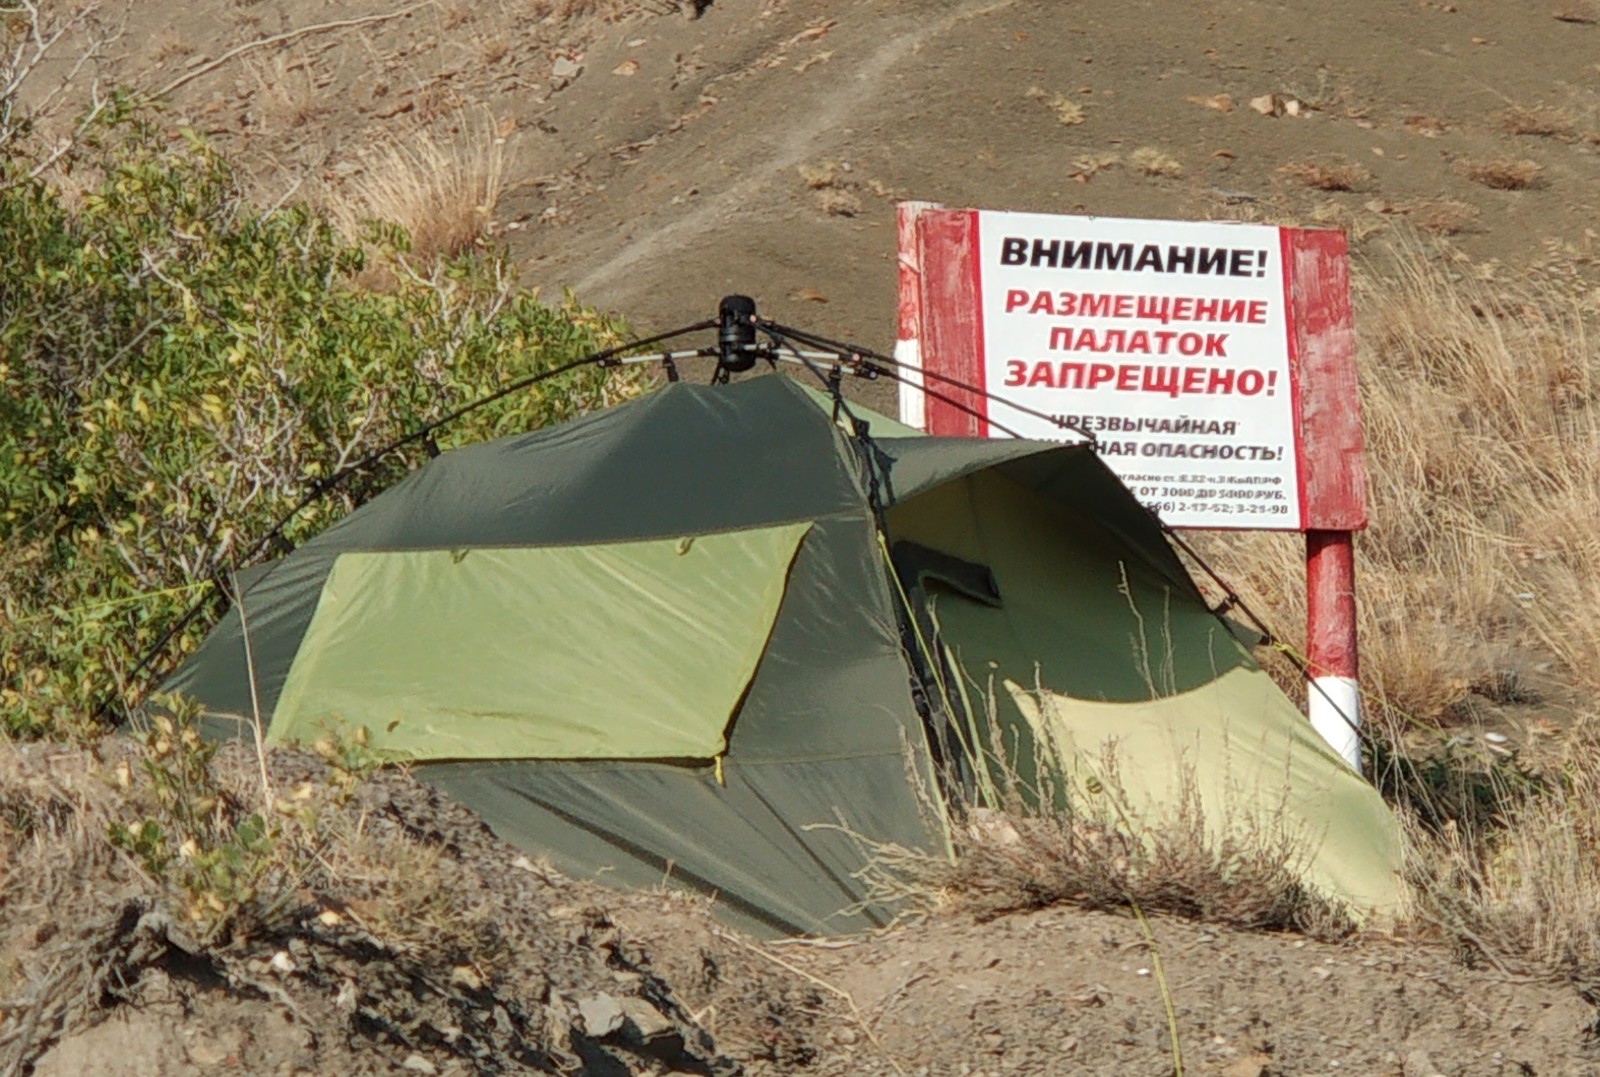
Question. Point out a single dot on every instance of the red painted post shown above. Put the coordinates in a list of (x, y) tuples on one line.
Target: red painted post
[(1322, 343), (1334, 704), (908, 339)]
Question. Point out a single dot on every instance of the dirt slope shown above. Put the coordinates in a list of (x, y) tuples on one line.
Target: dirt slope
[(657, 162), (566, 976)]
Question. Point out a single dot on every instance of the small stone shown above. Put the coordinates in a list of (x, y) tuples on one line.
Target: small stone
[(649, 1024), (418, 1064), (1418, 1064), (1253, 1065), (1267, 104), (565, 67), (206, 1054), (601, 1015)]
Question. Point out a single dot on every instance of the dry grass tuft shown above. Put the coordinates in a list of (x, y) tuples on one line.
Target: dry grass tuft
[(838, 202), (1523, 892), (1582, 12), (1359, 225), (1032, 837), (1504, 173), (1088, 165), (441, 190), (1543, 121), (1155, 162), (1482, 411), (822, 175), (832, 187), (607, 10), (1328, 174), (1068, 112)]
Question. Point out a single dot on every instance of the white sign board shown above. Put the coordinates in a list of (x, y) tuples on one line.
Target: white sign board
[(1167, 341)]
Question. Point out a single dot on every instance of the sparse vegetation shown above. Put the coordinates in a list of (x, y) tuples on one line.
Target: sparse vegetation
[(1520, 889), (1033, 837), (1542, 121), (1155, 162), (1481, 404), (1504, 173), (1329, 174), (1089, 165), (1069, 113), (1442, 216), (441, 191), (832, 187), (287, 95), (169, 863)]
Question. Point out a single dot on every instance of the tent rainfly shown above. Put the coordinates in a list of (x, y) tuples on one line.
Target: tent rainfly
[(713, 636)]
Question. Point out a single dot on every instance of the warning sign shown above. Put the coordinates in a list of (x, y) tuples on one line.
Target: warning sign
[(1173, 344)]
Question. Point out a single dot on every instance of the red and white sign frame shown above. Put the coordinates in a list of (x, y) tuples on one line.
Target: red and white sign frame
[(942, 339)]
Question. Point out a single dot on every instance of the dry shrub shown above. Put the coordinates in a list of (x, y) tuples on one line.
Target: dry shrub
[(1523, 893), (1090, 164), (1481, 404), (608, 10), (1328, 174), (1033, 837), (832, 187), (1155, 162), (1543, 121), (1068, 112), (836, 202), (1504, 173), (822, 175), (441, 189)]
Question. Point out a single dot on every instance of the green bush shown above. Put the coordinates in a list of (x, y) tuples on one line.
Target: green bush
[(179, 367)]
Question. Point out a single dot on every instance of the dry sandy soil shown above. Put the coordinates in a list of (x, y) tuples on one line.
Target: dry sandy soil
[(564, 976), (658, 160)]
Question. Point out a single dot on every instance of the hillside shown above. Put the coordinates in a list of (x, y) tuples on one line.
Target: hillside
[(652, 156)]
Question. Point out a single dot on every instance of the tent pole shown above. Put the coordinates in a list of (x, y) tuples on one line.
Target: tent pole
[(1334, 703)]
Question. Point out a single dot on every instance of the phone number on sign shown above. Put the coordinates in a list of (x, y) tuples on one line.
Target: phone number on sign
[(1222, 508)]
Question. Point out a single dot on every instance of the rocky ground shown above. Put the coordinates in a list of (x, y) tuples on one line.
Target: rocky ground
[(501, 966), (655, 161)]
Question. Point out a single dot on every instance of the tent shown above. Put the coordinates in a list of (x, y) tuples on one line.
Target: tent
[(720, 636)]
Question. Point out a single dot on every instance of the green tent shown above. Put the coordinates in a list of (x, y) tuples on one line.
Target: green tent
[(714, 637)]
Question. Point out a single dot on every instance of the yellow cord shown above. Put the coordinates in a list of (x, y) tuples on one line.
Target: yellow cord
[(1161, 983)]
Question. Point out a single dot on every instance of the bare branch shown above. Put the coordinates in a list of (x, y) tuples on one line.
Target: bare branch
[(278, 39)]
